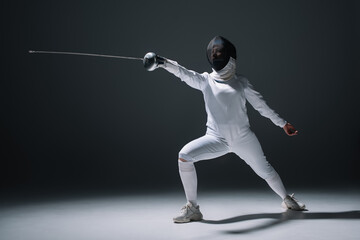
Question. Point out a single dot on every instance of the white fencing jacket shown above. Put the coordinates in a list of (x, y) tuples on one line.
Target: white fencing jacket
[(225, 99)]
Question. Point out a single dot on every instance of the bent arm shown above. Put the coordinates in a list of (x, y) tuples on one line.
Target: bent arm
[(257, 101), (192, 78)]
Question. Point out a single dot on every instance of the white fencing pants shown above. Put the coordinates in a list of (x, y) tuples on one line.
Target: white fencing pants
[(211, 146)]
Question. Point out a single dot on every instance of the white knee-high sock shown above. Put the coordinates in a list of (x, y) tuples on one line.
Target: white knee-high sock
[(276, 184), (189, 180)]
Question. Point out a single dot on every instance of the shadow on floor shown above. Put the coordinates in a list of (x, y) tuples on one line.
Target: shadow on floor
[(280, 218)]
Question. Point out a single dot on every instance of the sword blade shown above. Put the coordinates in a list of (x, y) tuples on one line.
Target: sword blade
[(86, 54)]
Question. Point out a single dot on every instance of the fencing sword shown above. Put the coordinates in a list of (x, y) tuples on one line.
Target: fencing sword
[(149, 60)]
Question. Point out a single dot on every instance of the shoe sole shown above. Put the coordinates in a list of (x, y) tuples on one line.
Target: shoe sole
[(297, 209), (283, 205), (188, 220)]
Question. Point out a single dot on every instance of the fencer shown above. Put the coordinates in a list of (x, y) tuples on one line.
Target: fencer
[(228, 130)]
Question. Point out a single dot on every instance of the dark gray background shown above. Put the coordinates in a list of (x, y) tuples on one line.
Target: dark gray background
[(81, 122)]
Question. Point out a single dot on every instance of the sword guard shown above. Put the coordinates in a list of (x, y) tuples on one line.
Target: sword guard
[(150, 61)]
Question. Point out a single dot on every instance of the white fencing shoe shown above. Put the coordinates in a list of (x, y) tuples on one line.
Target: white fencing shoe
[(290, 202), (189, 213)]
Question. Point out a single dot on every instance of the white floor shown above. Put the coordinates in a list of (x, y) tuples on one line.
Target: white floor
[(228, 215)]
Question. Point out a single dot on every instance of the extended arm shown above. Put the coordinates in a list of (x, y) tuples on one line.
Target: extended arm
[(192, 78), (257, 101)]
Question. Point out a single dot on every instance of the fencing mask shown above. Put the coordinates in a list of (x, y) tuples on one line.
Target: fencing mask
[(219, 52)]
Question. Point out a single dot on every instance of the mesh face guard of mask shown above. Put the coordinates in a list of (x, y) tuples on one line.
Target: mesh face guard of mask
[(219, 52)]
